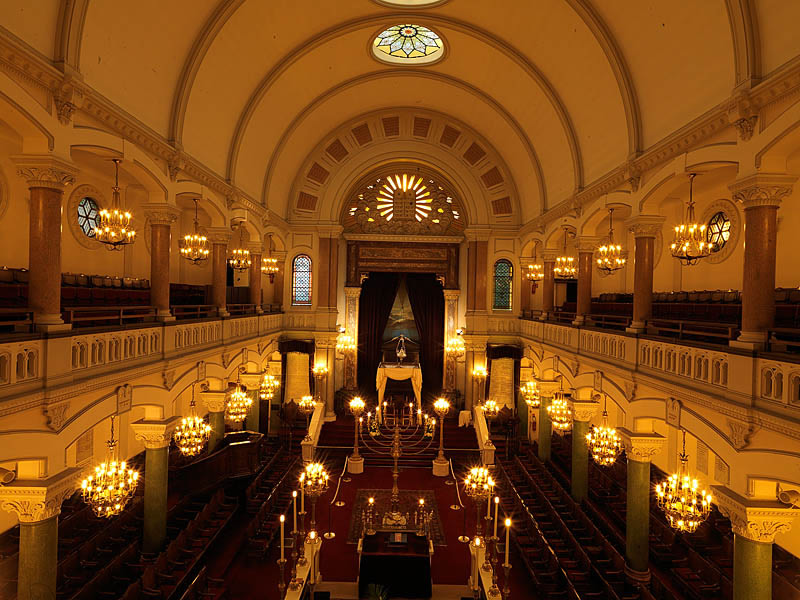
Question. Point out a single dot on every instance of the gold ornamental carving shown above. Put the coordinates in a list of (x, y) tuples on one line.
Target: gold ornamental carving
[(38, 500), (762, 189), (155, 434), (756, 520), (584, 411), (45, 175), (641, 447)]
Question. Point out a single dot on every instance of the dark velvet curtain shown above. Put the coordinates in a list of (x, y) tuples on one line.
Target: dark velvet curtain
[(427, 303), (375, 305)]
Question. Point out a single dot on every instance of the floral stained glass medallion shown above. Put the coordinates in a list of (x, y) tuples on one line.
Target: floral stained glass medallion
[(87, 216), (718, 231), (408, 42)]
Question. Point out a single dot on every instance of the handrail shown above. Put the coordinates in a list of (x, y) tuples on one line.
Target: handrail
[(694, 328), (241, 309), (455, 483), (197, 311), (100, 313), (339, 482)]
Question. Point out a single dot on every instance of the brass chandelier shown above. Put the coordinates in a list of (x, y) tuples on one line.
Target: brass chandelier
[(314, 481), (565, 264), (306, 407), (194, 246), (114, 226), (690, 244), (530, 393), (239, 259), (560, 411), (269, 384), (112, 485), (535, 270), (678, 496), (269, 264), (192, 434), (238, 404), (604, 442), (609, 255)]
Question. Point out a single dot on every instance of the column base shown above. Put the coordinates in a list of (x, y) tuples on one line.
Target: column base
[(259, 310), (441, 467), (750, 340), (221, 312), (637, 327), (52, 327), (543, 316), (637, 576), (164, 316), (581, 320), (355, 466)]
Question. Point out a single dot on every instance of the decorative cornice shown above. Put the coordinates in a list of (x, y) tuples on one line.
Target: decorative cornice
[(45, 170), (587, 243), (756, 520), (745, 127), (584, 410), (251, 381), (381, 237), (641, 447), (155, 434), (214, 400), (548, 389), (645, 225), (161, 214), (762, 189), (39, 500), (219, 235)]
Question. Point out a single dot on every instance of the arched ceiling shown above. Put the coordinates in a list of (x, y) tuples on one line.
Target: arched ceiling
[(564, 90)]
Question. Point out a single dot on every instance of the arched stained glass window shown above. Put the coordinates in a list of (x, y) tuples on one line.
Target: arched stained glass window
[(503, 276), (718, 231), (87, 216), (301, 280)]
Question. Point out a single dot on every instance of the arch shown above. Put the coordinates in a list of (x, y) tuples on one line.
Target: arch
[(27, 117), (69, 32), (745, 39)]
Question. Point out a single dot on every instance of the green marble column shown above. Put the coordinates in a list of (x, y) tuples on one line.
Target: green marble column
[(155, 498), (545, 430), (580, 460), (638, 515), (217, 422), (752, 569), (251, 423), (38, 559)]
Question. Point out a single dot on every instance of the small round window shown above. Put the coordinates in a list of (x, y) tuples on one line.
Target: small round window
[(718, 231), (87, 216), (408, 44)]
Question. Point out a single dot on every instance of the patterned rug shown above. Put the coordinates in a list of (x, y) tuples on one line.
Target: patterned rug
[(409, 500)]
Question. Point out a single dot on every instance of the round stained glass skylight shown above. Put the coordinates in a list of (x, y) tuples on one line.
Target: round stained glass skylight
[(408, 43)]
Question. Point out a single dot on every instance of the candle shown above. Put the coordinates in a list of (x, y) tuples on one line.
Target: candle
[(489, 507), (496, 505), (283, 518), (508, 530), (302, 496), (294, 510), (475, 566)]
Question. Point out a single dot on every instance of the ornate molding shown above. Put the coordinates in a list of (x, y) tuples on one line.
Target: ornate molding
[(38, 500), (756, 520), (124, 398), (155, 434), (219, 235), (168, 378), (161, 214), (56, 414), (745, 127), (641, 447), (587, 243), (762, 189), (45, 171), (673, 412), (645, 225), (214, 400), (740, 434), (547, 389), (584, 410)]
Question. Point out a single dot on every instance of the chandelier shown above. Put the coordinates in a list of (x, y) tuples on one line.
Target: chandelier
[(112, 485), (240, 257), (565, 265), (306, 406), (192, 433), (491, 409), (269, 264), (238, 404), (678, 496), (194, 246), (530, 393), (604, 441), (455, 346), (268, 386), (609, 259), (479, 486), (314, 481), (345, 344), (535, 270), (560, 412), (114, 226), (690, 243)]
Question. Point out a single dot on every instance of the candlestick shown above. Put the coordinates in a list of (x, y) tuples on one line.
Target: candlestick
[(489, 507), (475, 545), (294, 510), (508, 532), (496, 505), (506, 583), (283, 518)]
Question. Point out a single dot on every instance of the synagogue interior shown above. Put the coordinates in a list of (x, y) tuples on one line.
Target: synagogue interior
[(376, 299)]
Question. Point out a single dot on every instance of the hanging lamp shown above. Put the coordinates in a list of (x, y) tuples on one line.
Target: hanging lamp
[(240, 257), (530, 393), (269, 264), (685, 506), (114, 226), (192, 434), (565, 264), (690, 244), (535, 271), (112, 485), (194, 246), (268, 386), (609, 255), (239, 403), (604, 442)]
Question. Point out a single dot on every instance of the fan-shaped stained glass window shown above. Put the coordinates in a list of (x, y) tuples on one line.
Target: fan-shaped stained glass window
[(718, 231), (412, 43), (503, 277), (87, 216), (301, 280)]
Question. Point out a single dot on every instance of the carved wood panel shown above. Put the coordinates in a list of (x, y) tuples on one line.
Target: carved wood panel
[(402, 257)]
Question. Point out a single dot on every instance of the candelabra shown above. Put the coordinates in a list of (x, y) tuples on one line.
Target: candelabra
[(685, 506), (420, 518), (478, 485), (320, 371), (440, 466), (356, 409), (479, 375), (490, 410), (370, 519), (306, 406), (530, 393), (316, 484)]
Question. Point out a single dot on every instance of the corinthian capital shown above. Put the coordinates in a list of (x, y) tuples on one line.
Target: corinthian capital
[(155, 434), (756, 520), (219, 235), (161, 214), (584, 410), (45, 171), (762, 189), (587, 243), (645, 225), (39, 500), (641, 447)]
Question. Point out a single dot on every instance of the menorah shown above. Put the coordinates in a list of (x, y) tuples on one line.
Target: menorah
[(408, 434)]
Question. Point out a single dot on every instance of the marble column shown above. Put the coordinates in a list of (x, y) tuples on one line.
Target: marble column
[(639, 449), (219, 238), (547, 389), (582, 413), (252, 381), (254, 282), (161, 218), (548, 285), (156, 436), (760, 196), (755, 524), (450, 327), (215, 402), (47, 177), (585, 246), (351, 295), (37, 504), (645, 228)]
